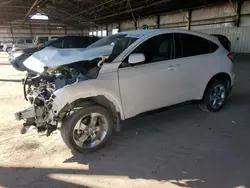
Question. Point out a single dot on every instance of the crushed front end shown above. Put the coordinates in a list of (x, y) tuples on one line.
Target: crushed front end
[(39, 89)]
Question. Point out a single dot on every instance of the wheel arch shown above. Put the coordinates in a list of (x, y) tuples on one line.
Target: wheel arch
[(222, 77), (111, 106)]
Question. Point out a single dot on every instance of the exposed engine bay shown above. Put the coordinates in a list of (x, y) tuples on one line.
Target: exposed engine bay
[(38, 89)]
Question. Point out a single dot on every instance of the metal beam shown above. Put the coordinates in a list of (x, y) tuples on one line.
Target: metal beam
[(14, 6), (239, 5), (237, 8), (189, 19), (158, 21), (86, 11), (134, 9)]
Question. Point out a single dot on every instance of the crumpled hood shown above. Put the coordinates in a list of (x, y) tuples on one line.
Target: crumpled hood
[(54, 57)]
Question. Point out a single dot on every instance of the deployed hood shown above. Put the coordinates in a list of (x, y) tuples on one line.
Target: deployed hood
[(54, 57)]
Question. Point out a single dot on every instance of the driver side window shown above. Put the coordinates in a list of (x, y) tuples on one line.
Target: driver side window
[(155, 49)]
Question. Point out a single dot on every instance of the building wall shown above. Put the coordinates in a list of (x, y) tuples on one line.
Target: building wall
[(217, 19), (12, 31)]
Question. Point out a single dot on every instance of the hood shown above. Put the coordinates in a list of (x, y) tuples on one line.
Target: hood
[(54, 57)]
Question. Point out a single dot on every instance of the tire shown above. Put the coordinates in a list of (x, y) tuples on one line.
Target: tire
[(207, 104), (8, 50), (70, 122)]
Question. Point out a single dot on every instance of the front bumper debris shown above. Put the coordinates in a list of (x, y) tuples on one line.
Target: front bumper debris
[(25, 114)]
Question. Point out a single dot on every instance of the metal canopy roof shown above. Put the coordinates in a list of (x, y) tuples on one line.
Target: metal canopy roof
[(87, 13)]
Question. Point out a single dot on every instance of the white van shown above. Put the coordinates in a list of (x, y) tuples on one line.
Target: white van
[(30, 43)]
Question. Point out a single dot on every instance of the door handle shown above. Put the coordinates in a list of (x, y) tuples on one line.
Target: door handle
[(173, 67)]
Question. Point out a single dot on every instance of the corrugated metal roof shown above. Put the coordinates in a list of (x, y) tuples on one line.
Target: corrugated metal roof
[(86, 13)]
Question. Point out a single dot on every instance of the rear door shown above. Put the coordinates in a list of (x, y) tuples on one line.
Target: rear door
[(195, 59)]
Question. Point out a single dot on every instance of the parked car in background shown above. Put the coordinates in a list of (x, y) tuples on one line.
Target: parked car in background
[(31, 43), (121, 76), (18, 57), (7, 47), (23, 43)]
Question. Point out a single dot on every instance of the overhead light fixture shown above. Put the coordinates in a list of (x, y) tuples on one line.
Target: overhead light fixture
[(59, 27), (39, 16)]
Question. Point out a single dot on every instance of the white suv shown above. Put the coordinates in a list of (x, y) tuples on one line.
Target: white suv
[(138, 71)]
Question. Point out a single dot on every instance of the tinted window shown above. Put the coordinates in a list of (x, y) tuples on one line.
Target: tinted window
[(28, 41), (159, 48), (82, 42), (194, 45), (57, 43), (225, 42), (20, 42), (42, 40), (68, 43), (178, 49), (214, 47)]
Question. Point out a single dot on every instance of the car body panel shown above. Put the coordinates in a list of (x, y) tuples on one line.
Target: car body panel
[(148, 87), (137, 89), (53, 57), (106, 84)]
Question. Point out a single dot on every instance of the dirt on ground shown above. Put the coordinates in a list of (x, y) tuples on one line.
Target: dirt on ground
[(179, 147)]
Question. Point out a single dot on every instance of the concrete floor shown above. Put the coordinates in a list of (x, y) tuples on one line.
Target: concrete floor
[(180, 147)]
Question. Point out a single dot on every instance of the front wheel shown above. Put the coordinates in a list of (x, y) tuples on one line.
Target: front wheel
[(8, 50), (88, 129), (215, 96)]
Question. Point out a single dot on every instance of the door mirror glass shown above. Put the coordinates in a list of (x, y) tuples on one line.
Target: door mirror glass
[(136, 58)]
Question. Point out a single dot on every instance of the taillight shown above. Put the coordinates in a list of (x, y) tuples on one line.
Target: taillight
[(230, 56)]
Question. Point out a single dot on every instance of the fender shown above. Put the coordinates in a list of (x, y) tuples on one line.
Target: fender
[(65, 96)]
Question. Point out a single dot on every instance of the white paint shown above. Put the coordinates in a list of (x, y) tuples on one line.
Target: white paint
[(136, 58), (134, 90), (53, 57)]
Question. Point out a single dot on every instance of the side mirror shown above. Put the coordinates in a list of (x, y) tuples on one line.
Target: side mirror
[(136, 58)]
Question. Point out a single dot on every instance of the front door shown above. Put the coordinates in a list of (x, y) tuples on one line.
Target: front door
[(154, 83)]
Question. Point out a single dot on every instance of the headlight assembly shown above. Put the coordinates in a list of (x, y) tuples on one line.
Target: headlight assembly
[(17, 54)]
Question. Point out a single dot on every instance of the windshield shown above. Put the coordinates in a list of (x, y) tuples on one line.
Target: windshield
[(110, 40), (119, 42)]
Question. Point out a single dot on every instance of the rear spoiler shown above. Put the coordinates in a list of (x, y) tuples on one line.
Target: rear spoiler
[(225, 42)]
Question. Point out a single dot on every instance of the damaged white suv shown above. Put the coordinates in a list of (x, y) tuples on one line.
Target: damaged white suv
[(88, 92)]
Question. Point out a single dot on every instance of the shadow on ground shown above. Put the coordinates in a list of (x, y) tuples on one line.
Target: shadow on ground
[(166, 149)]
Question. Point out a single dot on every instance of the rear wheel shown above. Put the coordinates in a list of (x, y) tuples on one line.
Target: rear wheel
[(88, 129), (215, 96)]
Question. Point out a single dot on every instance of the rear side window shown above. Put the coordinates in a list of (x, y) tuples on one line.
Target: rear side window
[(225, 42), (28, 41), (193, 45), (214, 47)]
